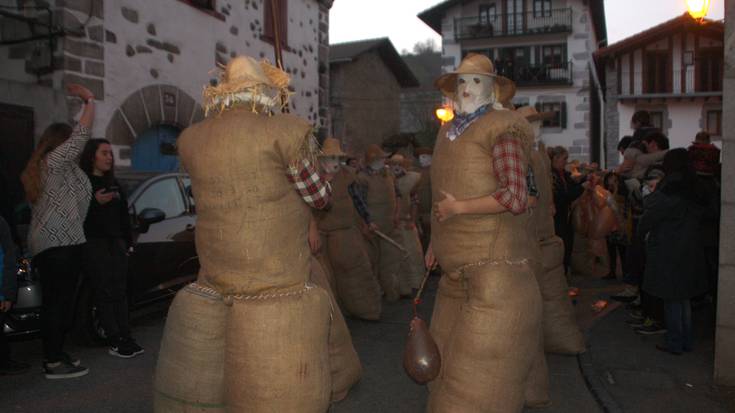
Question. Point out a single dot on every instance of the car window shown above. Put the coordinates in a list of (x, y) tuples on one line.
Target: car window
[(187, 188), (164, 195)]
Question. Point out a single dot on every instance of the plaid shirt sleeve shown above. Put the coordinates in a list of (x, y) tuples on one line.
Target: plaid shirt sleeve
[(359, 202), (510, 174), (314, 190)]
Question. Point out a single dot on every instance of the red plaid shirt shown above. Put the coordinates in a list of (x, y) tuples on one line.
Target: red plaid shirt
[(510, 173), (314, 190)]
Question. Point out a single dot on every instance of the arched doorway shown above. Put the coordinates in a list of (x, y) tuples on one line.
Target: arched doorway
[(155, 150)]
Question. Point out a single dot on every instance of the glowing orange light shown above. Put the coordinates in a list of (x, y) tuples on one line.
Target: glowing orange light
[(445, 114), (698, 8), (573, 292), (599, 305)]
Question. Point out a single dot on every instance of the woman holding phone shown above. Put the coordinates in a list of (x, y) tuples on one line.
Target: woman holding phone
[(109, 241)]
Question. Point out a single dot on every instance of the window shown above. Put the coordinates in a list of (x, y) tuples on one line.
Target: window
[(488, 13), (657, 119), (541, 8), (709, 71), (560, 120), (281, 19), (713, 123), (553, 55), (189, 193), (164, 195), (656, 73)]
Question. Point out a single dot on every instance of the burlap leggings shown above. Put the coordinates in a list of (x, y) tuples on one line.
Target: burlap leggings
[(255, 355), (487, 326)]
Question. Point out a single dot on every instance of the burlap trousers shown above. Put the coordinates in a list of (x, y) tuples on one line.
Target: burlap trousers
[(487, 325), (388, 262), (357, 288), (414, 266), (263, 354)]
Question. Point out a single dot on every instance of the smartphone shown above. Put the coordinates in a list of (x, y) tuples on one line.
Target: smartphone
[(113, 189)]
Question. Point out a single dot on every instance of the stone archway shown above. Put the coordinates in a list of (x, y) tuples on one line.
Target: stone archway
[(148, 108)]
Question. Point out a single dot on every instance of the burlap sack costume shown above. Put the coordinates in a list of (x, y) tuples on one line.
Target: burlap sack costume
[(382, 203), (487, 317), (592, 223), (343, 360), (415, 267), (266, 323), (561, 333), (357, 288), (424, 194)]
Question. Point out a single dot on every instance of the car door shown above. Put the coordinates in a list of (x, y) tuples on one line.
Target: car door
[(188, 261), (157, 257)]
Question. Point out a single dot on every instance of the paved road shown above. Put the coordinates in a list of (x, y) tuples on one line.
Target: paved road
[(116, 386)]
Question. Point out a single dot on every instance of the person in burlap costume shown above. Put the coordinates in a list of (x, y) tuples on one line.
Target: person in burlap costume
[(251, 334), (487, 316), (407, 181), (382, 195), (357, 288), (423, 191)]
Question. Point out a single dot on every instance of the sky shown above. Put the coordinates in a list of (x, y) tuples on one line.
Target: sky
[(366, 19)]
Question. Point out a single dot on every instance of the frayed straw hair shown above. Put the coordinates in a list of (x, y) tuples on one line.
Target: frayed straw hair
[(244, 81), (32, 175)]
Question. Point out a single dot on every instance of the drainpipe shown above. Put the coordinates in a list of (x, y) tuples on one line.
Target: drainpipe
[(603, 142)]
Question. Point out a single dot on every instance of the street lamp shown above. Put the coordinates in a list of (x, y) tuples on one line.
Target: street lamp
[(445, 114), (698, 9)]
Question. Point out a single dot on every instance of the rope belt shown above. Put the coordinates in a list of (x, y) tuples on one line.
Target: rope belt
[(459, 271), (228, 299)]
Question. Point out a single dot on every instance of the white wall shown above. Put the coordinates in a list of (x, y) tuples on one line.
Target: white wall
[(196, 34), (686, 121)]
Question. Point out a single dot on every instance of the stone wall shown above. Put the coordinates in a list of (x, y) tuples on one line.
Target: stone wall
[(725, 335), (365, 99)]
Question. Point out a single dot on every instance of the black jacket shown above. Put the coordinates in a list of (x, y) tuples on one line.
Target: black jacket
[(110, 220), (8, 276), (675, 262)]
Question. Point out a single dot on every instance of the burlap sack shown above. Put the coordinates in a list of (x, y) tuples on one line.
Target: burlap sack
[(277, 355), (561, 331), (190, 371), (493, 343), (542, 216), (537, 393), (390, 262), (357, 288), (414, 264), (323, 259), (589, 258), (449, 299), (552, 253), (343, 360)]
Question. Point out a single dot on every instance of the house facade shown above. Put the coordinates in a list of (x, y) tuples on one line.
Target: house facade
[(366, 81), (147, 62), (546, 47), (674, 71)]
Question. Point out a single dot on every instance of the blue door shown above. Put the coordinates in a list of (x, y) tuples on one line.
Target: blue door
[(155, 150)]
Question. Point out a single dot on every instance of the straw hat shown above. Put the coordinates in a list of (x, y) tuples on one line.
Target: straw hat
[(245, 74), (331, 147), (373, 152), (476, 64), (531, 115), (423, 150), (396, 159)]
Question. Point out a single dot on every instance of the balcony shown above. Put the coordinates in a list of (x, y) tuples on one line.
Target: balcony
[(538, 74), (669, 84), (513, 24)]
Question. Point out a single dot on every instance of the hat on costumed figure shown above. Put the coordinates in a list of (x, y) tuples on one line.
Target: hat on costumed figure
[(374, 152), (245, 80), (477, 64), (332, 147)]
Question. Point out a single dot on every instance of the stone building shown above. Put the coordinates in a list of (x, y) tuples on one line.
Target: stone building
[(366, 81), (674, 71), (146, 61), (418, 105), (546, 47)]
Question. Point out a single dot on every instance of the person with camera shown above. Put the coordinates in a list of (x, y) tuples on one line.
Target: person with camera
[(109, 242)]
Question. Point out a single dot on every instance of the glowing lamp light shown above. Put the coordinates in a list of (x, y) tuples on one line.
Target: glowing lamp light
[(698, 8), (445, 114)]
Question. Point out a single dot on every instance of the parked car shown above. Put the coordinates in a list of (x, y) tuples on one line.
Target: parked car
[(163, 214)]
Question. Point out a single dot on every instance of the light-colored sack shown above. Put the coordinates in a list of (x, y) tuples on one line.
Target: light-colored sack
[(277, 355), (190, 371), (343, 360)]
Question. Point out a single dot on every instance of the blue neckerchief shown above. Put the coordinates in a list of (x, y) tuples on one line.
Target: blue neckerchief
[(462, 122)]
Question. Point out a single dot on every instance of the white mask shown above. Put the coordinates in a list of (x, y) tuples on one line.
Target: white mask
[(377, 164), (330, 165), (473, 92), (425, 161)]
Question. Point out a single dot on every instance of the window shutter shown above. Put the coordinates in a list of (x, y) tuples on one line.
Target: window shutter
[(538, 107), (563, 115)]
